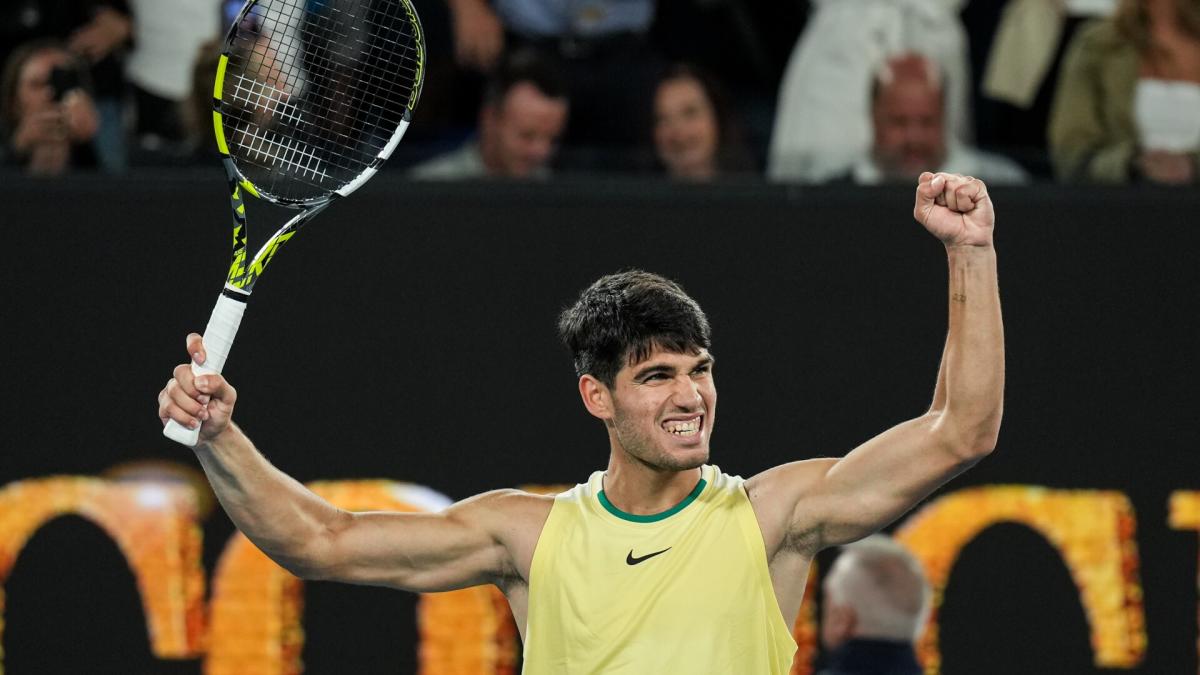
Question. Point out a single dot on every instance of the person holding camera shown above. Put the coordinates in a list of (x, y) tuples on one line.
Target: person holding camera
[(97, 32), (48, 118)]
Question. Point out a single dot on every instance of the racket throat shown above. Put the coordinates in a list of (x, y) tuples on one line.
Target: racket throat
[(236, 294)]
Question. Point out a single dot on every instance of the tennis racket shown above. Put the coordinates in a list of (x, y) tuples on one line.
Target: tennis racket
[(311, 97)]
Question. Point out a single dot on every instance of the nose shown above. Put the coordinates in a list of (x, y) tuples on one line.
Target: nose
[(686, 393)]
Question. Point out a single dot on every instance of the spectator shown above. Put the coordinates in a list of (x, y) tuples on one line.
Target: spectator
[(197, 113), (1128, 101), (603, 49), (875, 605), (695, 136), (523, 114), (910, 135), (822, 125), (48, 118), (96, 31), (167, 34), (1017, 47)]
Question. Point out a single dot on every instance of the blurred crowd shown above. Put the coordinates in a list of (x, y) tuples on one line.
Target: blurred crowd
[(811, 91)]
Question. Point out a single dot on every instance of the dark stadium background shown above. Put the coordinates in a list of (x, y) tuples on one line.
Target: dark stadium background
[(409, 334)]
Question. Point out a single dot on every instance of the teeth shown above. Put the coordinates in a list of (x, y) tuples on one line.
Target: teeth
[(682, 428)]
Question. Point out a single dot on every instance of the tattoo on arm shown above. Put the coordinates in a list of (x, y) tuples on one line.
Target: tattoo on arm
[(958, 297)]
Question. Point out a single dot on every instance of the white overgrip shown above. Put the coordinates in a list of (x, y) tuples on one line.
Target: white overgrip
[(218, 340)]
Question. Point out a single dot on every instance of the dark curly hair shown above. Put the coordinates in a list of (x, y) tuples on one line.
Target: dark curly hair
[(623, 317)]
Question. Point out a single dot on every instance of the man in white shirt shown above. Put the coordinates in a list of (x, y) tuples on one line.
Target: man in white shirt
[(909, 131), (822, 120)]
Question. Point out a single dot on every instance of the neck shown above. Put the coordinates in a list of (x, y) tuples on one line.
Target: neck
[(640, 490)]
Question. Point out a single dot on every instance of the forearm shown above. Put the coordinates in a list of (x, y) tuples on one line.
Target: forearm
[(969, 395), (282, 517), (939, 390)]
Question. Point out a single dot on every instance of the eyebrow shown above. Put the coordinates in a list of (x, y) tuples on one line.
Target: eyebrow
[(653, 369)]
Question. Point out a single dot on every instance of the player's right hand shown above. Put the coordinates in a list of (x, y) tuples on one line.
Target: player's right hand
[(197, 400)]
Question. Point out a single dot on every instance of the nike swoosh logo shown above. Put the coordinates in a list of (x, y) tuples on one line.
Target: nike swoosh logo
[(630, 560)]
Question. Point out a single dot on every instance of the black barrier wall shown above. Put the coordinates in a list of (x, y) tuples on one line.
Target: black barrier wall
[(408, 333)]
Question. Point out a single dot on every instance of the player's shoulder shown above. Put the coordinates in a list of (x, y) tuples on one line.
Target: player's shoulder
[(784, 481), (514, 499), (778, 493), (507, 508)]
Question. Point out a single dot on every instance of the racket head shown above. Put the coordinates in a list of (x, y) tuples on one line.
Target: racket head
[(311, 96)]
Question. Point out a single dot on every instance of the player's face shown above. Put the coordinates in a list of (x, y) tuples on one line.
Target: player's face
[(664, 409), (525, 130), (685, 128), (909, 133)]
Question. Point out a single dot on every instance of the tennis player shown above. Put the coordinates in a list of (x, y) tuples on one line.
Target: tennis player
[(660, 563)]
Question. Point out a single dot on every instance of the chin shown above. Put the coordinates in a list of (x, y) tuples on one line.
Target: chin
[(684, 460)]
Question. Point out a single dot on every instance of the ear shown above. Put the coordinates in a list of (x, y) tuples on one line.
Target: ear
[(596, 397)]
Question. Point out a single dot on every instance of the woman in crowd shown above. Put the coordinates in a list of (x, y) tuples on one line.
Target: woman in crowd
[(48, 118), (695, 137), (1128, 101)]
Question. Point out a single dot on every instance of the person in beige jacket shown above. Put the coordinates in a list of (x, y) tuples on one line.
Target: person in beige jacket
[(1127, 106)]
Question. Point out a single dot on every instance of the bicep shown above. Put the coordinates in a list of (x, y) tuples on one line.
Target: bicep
[(422, 552), (830, 502)]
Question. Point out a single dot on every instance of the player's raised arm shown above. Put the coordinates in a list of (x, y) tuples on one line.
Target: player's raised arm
[(828, 502), (461, 546)]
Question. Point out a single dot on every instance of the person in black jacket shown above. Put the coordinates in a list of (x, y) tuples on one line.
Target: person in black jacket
[(875, 605)]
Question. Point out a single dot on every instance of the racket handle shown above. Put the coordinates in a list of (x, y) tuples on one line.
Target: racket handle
[(218, 340)]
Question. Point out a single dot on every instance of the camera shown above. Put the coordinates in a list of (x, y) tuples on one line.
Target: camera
[(62, 80)]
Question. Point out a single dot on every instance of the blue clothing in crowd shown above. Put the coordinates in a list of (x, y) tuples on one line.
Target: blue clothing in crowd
[(575, 18)]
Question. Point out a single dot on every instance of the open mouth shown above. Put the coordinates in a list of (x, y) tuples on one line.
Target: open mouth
[(684, 428)]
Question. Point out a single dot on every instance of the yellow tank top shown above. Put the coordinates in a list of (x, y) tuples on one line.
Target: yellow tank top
[(683, 591)]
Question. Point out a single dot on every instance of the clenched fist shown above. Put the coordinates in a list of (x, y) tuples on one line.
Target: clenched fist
[(955, 209)]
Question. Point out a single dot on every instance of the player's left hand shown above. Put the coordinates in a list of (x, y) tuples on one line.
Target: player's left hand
[(955, 209)]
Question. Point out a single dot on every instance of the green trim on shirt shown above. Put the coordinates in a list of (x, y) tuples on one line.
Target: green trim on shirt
[(654, 517)]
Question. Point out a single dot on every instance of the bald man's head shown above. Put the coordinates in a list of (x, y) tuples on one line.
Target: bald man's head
[(874, 590), (907, 112)]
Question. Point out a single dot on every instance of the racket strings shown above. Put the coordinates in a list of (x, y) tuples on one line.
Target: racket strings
[(315, 89)]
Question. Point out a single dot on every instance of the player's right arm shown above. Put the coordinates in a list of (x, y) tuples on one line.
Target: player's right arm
[(463, 545)]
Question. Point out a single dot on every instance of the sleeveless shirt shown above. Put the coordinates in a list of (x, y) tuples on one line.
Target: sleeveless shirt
[(683, 591)]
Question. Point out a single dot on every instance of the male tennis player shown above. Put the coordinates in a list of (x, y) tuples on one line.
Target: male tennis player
[(661, 563)]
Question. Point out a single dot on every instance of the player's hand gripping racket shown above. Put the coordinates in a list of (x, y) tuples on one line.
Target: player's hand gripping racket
[(311, 97)]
